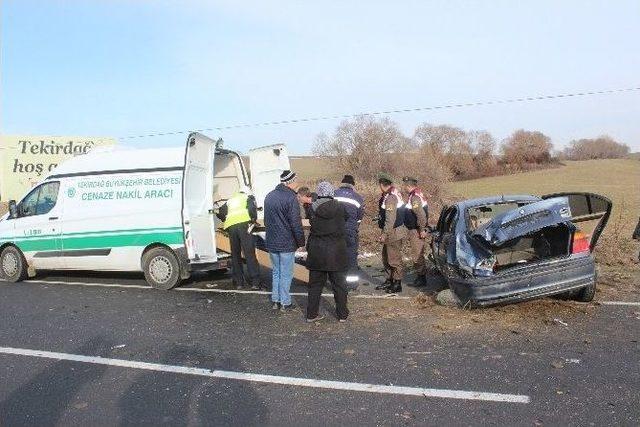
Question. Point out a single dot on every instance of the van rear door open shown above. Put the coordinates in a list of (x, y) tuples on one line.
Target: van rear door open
[(266, 165), (197, 199)]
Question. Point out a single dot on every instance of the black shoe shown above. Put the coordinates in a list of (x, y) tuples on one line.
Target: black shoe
[(275, 306), (395, 287), (287, 308), (384, 286)]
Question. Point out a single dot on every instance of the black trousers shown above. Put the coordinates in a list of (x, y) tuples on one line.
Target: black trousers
[(317, 280), (243, 243)]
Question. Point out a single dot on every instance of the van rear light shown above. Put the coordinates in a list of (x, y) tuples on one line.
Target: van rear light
[(580, 243)]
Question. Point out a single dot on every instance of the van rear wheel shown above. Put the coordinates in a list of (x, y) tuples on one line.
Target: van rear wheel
[(161, 268), (13, 266)]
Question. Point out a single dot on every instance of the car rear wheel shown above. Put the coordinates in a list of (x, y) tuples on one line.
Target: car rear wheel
[(161, 268), (13, 266), (587, 293)]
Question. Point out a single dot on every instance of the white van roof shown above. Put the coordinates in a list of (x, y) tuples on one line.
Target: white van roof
[(121, 159)]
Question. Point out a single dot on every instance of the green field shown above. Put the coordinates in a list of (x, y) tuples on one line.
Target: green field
[(617, 179)]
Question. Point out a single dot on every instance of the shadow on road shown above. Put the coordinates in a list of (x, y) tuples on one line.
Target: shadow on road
[(44, 399), (156, 398)]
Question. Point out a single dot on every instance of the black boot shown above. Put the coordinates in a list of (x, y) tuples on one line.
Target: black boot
[(384, 286), (395, 287), (420, 281)]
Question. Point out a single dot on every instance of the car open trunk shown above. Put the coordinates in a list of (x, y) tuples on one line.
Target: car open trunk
[(545, 244), (556, 227)]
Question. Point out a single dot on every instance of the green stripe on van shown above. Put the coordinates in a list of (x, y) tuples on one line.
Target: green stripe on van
[(101, 241), (85, 233)]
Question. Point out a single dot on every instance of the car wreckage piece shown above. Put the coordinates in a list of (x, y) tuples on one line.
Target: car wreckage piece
[(506, 249)]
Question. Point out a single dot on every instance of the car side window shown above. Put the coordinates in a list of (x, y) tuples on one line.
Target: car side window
[(41, 200)]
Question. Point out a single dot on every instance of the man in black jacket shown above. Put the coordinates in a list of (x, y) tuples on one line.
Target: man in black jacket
[(327, 253), (284, 235)]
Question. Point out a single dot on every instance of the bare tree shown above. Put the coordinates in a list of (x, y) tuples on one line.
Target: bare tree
[(524, 147), (603, 147), (364, 146)]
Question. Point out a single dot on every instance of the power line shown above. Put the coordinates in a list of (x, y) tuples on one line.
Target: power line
[(394, 111)]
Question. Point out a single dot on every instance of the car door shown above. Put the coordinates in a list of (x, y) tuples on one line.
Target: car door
[(266, 164), (590, 212), (37, 227), (446, 251), (444, 236), (436, 235)]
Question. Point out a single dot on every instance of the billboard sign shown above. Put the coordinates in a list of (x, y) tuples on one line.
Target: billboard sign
[(26, 160)]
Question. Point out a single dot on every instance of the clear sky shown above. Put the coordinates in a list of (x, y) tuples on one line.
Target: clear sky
[(118, 68)]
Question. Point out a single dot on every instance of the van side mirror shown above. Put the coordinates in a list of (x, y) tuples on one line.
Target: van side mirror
[(13, 209)]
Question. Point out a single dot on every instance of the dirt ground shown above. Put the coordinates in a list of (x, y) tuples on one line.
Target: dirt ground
[(619, 283)]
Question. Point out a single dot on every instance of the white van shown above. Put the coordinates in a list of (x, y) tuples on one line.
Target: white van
[(133, 210)]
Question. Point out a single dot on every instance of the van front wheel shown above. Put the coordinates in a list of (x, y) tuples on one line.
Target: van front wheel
[(161, 268), (13, 266)]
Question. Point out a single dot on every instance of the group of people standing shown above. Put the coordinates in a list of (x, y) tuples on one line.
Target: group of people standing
[(334, 216)]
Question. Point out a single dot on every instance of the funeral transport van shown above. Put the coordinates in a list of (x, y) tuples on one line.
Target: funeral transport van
[(148, 210)]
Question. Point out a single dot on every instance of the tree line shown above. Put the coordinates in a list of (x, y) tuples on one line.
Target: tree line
[(366, 145)]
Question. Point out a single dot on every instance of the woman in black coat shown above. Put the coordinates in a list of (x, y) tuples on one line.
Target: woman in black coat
[(327, 253)]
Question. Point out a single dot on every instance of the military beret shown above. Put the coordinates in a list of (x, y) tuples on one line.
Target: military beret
[(384, 177)]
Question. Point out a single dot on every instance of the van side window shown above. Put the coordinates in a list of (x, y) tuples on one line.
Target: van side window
[(41, 200)]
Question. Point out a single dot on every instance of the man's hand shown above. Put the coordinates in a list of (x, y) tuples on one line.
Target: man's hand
[(423, 234)]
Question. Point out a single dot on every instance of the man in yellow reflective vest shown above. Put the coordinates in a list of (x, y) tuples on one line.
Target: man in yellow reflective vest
[(238, 213)]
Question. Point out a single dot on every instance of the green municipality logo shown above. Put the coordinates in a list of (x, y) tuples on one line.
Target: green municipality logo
[(71, 192)]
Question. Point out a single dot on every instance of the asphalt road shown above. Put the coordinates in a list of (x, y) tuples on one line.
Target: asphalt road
[(585, 373)]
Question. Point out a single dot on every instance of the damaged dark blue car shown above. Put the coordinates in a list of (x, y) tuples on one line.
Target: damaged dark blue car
[(506, 249)]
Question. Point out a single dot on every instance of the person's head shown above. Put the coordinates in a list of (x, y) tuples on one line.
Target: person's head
[(409, 184), (325, 189), (304, 195), (348, 179), (289, 178), (385, 182)]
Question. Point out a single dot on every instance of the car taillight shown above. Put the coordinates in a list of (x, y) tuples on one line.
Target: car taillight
[(580, 243)]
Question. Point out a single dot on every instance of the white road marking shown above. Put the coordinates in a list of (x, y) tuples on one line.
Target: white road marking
[(629, 303), (275, 379), (219, 291)]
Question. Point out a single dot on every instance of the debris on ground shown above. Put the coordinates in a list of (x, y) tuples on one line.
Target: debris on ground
[(560, 321)]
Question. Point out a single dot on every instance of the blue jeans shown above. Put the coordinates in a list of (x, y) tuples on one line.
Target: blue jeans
[(282, 276)]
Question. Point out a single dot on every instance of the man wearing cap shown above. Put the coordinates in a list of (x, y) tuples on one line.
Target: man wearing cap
[(354, 206), (284, 235), (416, 220), (391, 211), (327, 253), (238, 213)]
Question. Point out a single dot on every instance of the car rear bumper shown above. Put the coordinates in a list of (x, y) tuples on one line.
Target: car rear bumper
[(527, 282)]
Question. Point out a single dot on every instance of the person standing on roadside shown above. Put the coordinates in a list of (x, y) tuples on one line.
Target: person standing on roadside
[(306, 198), (238, 213), (284, 235), (391, 211), (636, 234), (354, 205), (416, 220), (327, 253)]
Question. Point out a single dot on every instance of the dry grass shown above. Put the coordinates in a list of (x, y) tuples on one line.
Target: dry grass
[(3, 208)]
